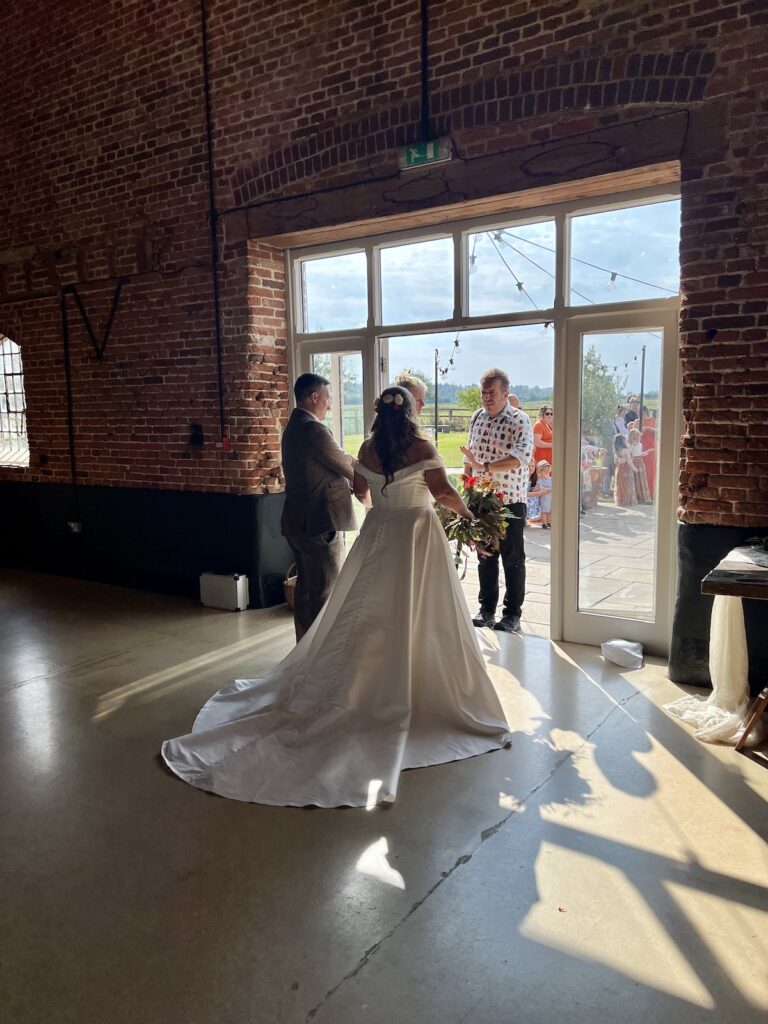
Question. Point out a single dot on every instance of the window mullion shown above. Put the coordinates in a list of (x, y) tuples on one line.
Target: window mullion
[(459, 275)]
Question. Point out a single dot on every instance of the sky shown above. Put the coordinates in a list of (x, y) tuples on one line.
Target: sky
[(633, 252)]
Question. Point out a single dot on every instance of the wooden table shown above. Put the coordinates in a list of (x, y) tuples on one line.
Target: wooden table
[(738, 576)]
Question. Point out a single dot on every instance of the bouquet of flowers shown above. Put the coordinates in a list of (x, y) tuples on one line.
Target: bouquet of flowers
[(489, 527)]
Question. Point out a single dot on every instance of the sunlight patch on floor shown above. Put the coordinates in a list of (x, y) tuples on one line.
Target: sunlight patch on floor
[(620, 931)]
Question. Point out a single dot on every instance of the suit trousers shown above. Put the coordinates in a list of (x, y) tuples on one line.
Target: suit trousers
[(512, 554), (318, 563)]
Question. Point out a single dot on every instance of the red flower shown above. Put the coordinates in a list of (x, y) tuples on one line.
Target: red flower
[(469, 481), (500, 496)]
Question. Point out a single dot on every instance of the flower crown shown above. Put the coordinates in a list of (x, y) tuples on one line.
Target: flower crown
[(389, 399)]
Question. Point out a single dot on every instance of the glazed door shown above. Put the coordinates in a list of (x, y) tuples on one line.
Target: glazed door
[(616, 488)]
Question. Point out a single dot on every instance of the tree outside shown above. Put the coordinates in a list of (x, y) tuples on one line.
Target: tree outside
[(601, 393), (469, 398)]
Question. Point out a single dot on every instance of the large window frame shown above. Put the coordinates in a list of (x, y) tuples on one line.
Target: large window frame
[(371, 340), (365, 338), (14, 442)]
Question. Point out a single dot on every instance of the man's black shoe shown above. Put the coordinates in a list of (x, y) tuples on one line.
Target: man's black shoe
[(509, 624), (484, 619)]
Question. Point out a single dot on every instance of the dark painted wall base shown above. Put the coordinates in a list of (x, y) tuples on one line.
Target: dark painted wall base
[(700, 548), (148, 539)]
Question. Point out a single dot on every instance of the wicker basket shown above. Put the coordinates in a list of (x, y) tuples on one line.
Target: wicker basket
[(289, 584)]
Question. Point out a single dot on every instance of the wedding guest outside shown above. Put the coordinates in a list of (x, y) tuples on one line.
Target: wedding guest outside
[(534, 493), (542, 434), (648, 437), (641, 478), (619, 425), (544, 471), (500, 445), (514, 401), (608, 431), (415, 387), (624, 488), (633, 412)]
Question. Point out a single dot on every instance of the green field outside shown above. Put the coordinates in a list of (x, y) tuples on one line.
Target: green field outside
[(448, 446), (449, 441)]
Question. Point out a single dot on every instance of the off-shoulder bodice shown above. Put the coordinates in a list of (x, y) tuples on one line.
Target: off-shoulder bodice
[(407, 490)]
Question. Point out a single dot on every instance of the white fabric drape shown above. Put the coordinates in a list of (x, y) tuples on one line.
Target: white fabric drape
[(721, 717)]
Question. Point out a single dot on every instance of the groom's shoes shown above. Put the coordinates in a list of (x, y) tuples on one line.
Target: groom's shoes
[(484, 619), (508, 624)]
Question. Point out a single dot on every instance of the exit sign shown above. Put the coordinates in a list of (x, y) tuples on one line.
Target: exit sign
[(420, 154)]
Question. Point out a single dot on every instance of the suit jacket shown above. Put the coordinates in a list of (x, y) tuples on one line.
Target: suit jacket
[(317, 478)]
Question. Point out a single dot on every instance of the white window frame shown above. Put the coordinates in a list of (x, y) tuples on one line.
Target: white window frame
[(371, 342), (14, 447)]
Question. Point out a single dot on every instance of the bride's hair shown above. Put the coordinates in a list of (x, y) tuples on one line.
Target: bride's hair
[(394, 429)]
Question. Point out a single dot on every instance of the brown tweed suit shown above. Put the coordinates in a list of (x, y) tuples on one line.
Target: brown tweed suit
[(318, 507)]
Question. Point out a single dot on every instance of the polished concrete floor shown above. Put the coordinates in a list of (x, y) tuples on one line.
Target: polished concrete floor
[(608, 867)]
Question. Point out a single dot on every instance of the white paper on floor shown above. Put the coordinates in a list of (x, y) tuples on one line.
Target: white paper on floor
[(626, 653)]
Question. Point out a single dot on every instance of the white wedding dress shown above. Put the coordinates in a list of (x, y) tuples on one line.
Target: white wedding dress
[(390, 676)]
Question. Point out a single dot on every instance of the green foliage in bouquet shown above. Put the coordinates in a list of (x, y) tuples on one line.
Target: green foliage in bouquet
[(489, 527)]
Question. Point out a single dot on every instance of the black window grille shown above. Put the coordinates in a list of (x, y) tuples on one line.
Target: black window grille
[(13, 407)]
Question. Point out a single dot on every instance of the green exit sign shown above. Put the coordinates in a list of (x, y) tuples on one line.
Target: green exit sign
[(420, 154)]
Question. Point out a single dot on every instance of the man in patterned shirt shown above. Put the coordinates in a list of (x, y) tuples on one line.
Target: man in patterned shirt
[(500, 446)]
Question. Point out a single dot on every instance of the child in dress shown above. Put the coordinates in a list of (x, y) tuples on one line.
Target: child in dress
[(544, 474), (533, 512), (641, 476), (624, 488)]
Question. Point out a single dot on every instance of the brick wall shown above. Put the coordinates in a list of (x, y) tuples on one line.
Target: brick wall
[(105, 175)]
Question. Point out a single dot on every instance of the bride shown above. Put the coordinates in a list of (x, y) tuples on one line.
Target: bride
[(389, 676)]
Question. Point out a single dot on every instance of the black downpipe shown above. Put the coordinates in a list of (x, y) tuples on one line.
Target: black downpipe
[(214, 220), (424, 70), (70, 403)]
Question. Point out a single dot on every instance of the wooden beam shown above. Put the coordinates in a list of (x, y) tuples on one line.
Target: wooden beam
[(601, 185), (614, 159)]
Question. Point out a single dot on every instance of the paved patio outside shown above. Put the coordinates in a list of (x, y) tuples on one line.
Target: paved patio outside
[(615, 563)]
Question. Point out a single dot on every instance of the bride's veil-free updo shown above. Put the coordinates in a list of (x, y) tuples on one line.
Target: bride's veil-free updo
[(394, 429)]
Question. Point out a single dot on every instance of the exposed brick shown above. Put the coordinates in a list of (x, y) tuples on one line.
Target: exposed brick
[(310, 96)]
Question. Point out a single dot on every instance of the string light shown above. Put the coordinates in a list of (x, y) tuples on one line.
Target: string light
[(619, 366), (445, 370), (575, 259)]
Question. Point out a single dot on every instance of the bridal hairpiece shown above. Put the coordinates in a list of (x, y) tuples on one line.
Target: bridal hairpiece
[(389, 398)]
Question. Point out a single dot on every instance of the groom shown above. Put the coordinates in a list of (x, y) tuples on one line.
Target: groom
[(500, 446), (318, 503)]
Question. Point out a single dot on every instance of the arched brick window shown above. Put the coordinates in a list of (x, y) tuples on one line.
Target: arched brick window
[(14, 449)]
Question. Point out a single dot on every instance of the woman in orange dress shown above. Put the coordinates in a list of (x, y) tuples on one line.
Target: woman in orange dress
[(542, 435), (649, 449)]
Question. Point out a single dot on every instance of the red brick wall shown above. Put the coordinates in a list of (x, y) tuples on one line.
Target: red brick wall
[(106, 175)]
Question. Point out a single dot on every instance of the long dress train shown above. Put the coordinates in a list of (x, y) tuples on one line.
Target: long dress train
[(389, 676)]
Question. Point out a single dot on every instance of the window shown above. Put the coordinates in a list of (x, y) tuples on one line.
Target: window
[(625, 254), (334, 293), (511, 269), (417, 282), (14, 450)]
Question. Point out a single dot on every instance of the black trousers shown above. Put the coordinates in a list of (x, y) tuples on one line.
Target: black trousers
[(512, 555)]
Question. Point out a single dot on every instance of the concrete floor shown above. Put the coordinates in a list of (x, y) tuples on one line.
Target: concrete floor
[(608, 867)]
